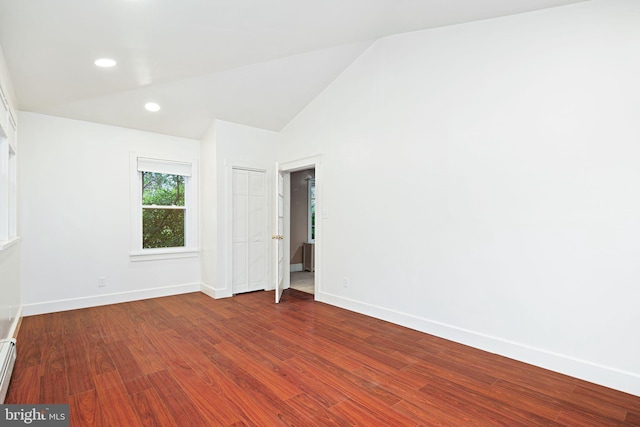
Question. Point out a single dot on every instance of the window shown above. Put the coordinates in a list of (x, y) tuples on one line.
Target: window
[(8, 195), (163, 210), (164, 198), (311, 210)]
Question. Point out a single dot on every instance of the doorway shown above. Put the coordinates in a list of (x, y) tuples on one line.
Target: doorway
[(302, 230), (302, 178)]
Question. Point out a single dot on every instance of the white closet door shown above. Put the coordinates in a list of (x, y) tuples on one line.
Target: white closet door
[(258, 222), (249, 231), (240, 238)]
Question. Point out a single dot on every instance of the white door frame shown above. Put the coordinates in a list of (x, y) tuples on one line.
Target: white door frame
[(294, 166)]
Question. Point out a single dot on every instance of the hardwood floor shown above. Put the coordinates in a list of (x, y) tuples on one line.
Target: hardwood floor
[(190, 360)]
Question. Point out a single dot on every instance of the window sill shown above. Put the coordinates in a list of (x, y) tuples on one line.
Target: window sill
[(162, 254), (6, 244)]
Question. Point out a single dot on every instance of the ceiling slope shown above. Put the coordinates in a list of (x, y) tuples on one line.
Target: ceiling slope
[(248, 61)]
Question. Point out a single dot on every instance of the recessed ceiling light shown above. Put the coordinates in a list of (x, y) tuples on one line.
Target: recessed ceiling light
[(152, 106), (105, 62)]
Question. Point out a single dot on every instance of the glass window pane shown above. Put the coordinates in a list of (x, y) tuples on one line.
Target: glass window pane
[(162, 228), (312, 195), (162, 189)]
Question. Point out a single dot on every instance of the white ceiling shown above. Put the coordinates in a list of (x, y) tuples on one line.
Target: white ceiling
[(254, 62)]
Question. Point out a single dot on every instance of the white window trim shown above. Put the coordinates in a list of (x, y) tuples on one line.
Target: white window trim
[(6, 244), (192, 245)]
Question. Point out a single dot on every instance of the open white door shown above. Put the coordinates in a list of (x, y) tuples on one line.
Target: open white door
[(278, 246)]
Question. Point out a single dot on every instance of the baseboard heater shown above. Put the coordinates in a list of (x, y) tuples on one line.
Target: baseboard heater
[(7, 360)]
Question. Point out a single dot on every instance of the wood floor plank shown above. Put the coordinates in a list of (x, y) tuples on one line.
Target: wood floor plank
[(178, 403), (54, 322), (25, 385), (528, 399), (115, 407), (54, 387), (397, 381), (143, 351), (100, 358), (323, 394), (83, 409), (151, 410), (594, 396), (53, 355), (124, 361), (252, 411), (356, 388), (440, 366), (76, 359), (437, 415), (244, 361), (480, 403), (243, 337), (316, 412), (136, 385), (368, 415), (204, 392), (114, 323), (276, 409), (31, 350), (392, 345), (318, 346), (633, 418), (265, 373), (568, 417)]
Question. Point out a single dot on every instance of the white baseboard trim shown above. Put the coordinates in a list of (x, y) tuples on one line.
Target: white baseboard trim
[(628, 382), (105, 299), (213, 292), (294, 268)]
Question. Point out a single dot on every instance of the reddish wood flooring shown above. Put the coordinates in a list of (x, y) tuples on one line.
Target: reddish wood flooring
[(189, 360)]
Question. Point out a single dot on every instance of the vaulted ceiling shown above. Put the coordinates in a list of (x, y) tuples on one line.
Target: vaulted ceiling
[(253, 62)]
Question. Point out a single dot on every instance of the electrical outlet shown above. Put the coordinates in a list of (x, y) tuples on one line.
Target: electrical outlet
[(10, 313), (345, 282), (102, 281)]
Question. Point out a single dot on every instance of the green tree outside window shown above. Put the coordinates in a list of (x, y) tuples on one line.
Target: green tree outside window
[(163, 210)]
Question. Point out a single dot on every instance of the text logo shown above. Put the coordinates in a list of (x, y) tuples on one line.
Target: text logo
[(34, 415)]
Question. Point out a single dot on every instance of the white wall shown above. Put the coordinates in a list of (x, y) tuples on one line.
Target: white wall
[(209, 210), (235, 145), (481, 183), (75, 215), (9, 257)]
